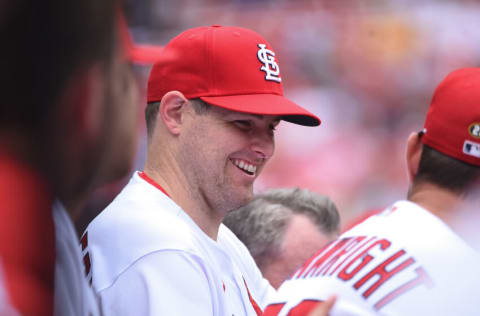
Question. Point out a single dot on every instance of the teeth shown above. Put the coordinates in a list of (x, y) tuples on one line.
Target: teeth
[(245, 166)]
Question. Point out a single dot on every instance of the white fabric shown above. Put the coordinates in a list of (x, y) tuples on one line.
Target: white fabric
[(73, 296), (149, 258), (417, 243), (6, 309)]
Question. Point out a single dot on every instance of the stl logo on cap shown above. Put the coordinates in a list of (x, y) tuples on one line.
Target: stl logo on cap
[(474, 129), (270, 66)]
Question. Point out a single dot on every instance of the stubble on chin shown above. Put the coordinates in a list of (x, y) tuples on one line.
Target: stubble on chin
[(239, 202)]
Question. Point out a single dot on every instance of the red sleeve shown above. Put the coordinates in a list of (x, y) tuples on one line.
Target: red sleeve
[(27, 239)]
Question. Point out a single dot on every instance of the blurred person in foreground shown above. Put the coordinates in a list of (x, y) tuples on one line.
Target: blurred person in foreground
[(414, 258), (67, 101), (159, 248), (282, 228)]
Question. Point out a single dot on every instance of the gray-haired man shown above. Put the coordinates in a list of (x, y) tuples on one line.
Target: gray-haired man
[(283, 227)]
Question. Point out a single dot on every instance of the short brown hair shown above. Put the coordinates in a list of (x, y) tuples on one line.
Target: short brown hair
[(151, 111), (446, 172)]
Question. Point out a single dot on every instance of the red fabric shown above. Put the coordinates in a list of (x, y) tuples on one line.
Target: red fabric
[(303, 308), (145, 177), (27, 238), (252, 301), (229, 62), (273, 310), (454, 116), (140, 54)]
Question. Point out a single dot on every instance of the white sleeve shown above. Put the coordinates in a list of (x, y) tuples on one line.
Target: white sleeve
[(265, 291), (259, 287), (161, 283)]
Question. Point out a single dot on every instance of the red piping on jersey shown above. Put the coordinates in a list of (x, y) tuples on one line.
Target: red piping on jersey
[(252, 301), (145, 177)]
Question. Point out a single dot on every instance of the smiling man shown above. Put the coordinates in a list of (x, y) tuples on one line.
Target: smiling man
[(214, 100)]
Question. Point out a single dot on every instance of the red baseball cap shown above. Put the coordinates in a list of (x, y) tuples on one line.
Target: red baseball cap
[(452, 125), (139, 54), (226, 66)]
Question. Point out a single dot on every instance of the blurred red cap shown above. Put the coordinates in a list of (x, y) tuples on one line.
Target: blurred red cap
[(140, 54), (452, 125)]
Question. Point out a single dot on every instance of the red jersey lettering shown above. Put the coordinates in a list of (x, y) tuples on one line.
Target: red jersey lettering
[(365, 259)]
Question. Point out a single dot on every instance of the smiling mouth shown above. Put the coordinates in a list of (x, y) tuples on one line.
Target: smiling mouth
[(245, 167)]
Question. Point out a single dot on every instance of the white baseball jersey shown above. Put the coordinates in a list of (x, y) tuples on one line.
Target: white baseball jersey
[(148, 257), (403, 261), (73, 296)]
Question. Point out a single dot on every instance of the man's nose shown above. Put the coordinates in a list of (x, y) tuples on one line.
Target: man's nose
[(263, 145)]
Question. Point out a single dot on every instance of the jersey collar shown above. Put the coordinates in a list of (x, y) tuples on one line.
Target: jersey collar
[(145, 177)]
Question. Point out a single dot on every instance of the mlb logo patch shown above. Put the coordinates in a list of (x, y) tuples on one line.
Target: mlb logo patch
[(471, 148), (474, 129)]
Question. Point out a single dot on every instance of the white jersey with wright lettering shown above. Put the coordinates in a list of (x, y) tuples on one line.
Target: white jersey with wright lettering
[(148, 257), (403, 261)]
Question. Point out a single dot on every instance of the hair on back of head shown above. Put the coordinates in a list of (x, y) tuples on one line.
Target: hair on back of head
[(446, 172), (45, 42)]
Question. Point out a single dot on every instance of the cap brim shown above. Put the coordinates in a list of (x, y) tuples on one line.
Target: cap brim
[(265, 104), (144, 54)]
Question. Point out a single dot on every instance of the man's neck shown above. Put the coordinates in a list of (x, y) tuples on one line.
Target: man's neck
[(440, 202), (450, 207), (168, 174)]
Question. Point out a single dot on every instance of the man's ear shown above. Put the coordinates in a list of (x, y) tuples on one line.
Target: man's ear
[(172, 109), (413, 154)]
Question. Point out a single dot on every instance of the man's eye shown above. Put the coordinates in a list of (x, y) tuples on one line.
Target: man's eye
[(243, 124)]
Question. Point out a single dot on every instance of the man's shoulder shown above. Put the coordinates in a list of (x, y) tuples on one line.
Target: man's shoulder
[(388, 262), (394, 219), (133, 226), (139, 225), (232, 245), (242, 258), (139, 212)]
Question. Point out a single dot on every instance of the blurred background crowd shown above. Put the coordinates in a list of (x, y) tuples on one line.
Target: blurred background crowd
[(367, 68)]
